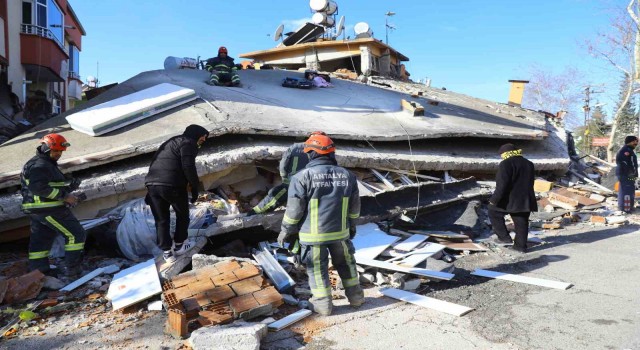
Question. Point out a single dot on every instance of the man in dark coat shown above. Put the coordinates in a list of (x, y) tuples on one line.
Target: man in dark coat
[(514, 195), (627, 173), (172, 168)]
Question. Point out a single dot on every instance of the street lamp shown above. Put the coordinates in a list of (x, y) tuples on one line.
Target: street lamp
[(386, 24)]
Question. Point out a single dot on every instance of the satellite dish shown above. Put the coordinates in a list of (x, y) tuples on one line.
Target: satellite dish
[(362, 30), (340, 26), (278, 34)]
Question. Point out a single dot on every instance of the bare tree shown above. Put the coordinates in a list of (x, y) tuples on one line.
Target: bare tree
[(620, 48), (553, 92)]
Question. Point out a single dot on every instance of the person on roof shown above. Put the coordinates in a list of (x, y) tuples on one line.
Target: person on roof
[(46, 199), (223, 70), (322, 207), (172, 168), (293, 160)]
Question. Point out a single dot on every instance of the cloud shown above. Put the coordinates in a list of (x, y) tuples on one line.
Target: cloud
[(294, 24)]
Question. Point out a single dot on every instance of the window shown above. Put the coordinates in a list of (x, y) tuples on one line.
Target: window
[(26, 12), (74, 61), (41, 13), (55, 21)]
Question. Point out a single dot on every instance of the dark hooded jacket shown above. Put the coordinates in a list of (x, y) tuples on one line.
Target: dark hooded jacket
[(174, 163), (514, 186)]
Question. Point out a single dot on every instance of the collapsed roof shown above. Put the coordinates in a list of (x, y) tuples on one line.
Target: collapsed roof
[(370, 128)]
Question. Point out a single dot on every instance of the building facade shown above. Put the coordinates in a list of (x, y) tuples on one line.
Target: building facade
[(39, 54)]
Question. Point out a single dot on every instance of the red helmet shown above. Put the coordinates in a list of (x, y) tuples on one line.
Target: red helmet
[(321, 144), (55, 142), (317, 133), (222, 49)]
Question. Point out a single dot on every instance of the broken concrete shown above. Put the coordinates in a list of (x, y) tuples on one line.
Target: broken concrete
[(23, 288), (236, 336)]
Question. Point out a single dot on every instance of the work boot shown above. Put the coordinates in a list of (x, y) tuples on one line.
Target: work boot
[(321, 306), (355, 295)]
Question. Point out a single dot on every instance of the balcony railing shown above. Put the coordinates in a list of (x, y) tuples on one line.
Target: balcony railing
[(42, 32), (74, 75)]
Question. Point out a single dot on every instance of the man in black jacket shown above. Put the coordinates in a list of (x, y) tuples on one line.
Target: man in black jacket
[(223, 70), (172, 168), (514, 195), (46, 198), (627, 173)]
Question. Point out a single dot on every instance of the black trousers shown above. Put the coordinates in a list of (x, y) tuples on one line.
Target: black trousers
[(521, 223), (160, 198), (44, 229)]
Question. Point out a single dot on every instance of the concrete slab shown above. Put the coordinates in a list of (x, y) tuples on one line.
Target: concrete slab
[(237, 336), (350, 111)]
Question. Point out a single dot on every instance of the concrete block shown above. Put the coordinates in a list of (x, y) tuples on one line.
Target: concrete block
[(200, 261), (412, 284), (367, 278), (236, 336), (616, 220)]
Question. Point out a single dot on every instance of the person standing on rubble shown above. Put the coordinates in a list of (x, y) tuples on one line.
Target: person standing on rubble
[(627, 173), (322, 206), (46, 199), (293, 160), (222, 69), (514, 195), (172, 168)]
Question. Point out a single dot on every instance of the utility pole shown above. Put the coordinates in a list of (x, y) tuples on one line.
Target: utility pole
[(587, 116)]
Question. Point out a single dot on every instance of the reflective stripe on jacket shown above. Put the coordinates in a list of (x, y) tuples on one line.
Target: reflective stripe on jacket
[(220, 64), (323, 202), (44, 186), (293, 160)]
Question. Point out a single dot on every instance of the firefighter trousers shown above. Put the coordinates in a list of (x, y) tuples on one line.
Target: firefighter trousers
[(220, 78), (276, 197), (626, 194), (44, 229), (316, 259)]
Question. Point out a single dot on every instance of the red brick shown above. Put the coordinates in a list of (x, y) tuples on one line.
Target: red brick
[(243, 303), (268, 295)]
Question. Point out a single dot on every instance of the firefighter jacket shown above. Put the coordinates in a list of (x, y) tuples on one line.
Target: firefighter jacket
[(44, 187), (221, 64), (323, 203), (293, 160), (627, 163)]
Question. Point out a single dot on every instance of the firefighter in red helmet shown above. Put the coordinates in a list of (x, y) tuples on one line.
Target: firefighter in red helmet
[(223, 70)]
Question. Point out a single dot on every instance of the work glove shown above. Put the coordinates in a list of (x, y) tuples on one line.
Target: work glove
[(285, 237), (194, 196), (75, 184), (352, 232)]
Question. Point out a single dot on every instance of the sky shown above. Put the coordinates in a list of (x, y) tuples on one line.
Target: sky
[(468, 46)]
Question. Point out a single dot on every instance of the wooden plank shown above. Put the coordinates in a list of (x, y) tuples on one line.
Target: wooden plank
[(441, 234), (412, 107), (522, 279), (370, 241), (540, 185), (591, 182), (82, 280), (465, 246), (134, 285), (582, 200), (410, 270), (410, 243), (559, 203), (289, 320), (430, 303)]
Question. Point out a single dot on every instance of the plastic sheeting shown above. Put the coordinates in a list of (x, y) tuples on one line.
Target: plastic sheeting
[(136, 233)]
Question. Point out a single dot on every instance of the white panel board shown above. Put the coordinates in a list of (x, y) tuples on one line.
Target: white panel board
[(370, 241), (421, 254), (522, 279), (289, 320), (117, 113), (410, 243), (82, 280), (431, 303), (411, 270), (134, 285)]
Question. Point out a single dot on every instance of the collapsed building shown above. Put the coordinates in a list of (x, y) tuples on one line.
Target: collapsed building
[(251, 126)]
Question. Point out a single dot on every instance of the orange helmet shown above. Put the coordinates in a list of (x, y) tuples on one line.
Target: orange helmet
[(55, 142), (317, 133), (222, 49), (321, 144)]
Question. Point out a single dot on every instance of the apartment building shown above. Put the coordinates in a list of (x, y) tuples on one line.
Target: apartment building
[(40, 44)]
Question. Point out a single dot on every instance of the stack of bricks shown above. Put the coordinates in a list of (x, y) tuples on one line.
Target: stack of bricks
[(217, 294)]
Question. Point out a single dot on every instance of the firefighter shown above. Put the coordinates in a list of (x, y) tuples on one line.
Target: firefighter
[(627, 173), (322, 205), (223, 70), (172, 168), (293, 160), (46, 199)]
